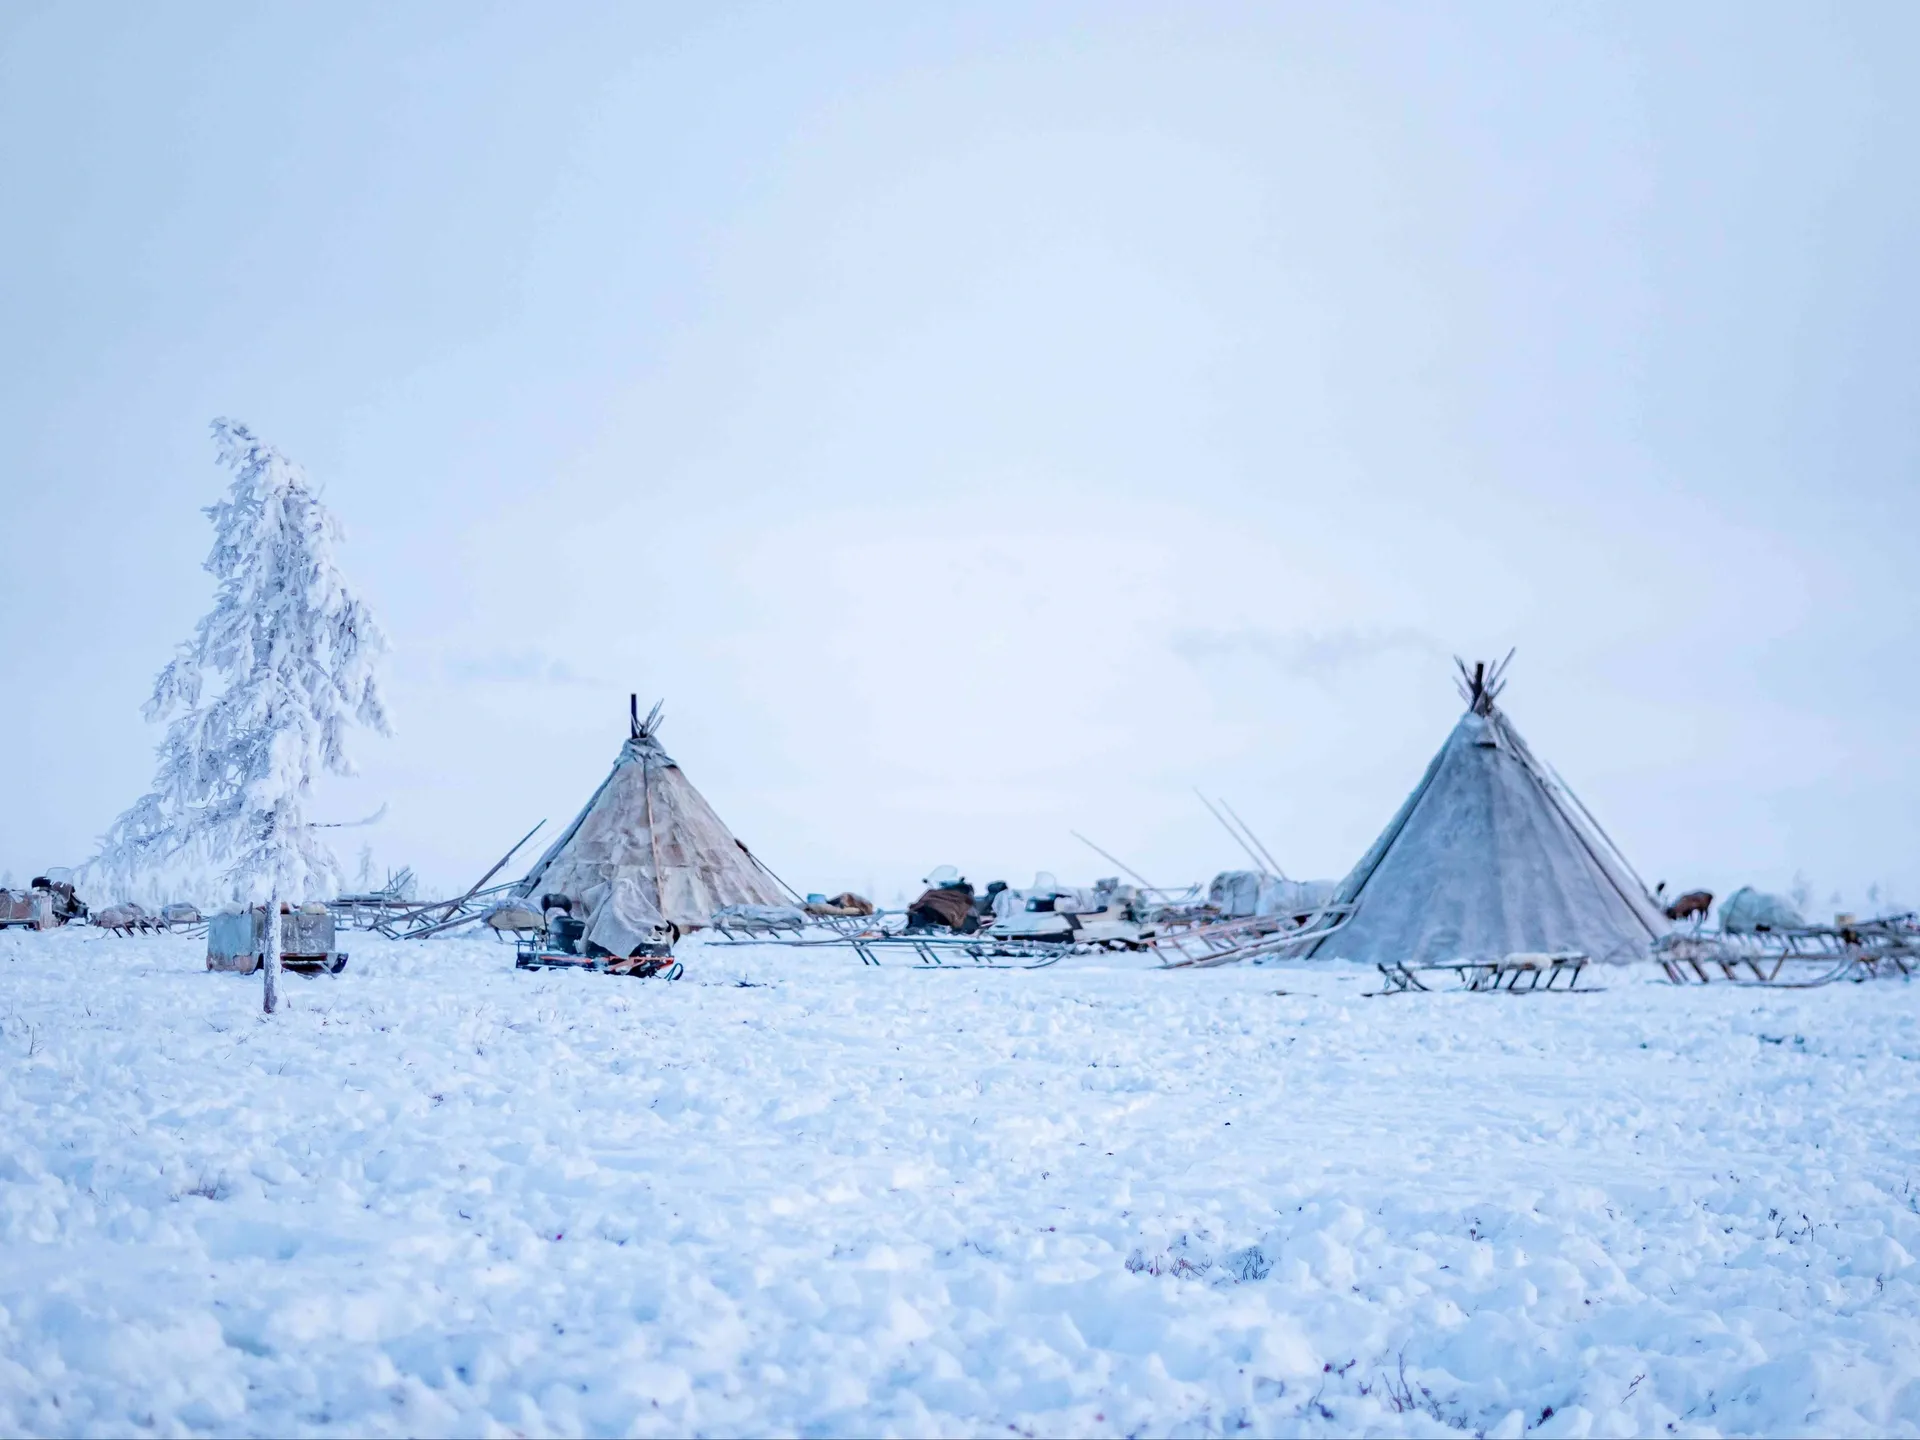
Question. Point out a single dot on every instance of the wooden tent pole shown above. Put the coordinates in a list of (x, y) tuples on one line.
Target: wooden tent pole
[(653, 831), (1258, 863), (1253, 837), (769, 869), (1145, 883)]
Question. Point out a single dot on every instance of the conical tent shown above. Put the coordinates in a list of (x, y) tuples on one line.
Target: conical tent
[(1491, 856), (648, 852)]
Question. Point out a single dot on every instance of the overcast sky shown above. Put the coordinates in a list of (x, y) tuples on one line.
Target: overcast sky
[(980, 422)]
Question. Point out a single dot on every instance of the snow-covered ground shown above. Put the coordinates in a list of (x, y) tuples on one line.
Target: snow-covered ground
[(789, 1194)]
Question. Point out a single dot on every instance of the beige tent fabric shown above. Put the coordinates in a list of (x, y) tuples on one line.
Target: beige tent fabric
[(648, 845)]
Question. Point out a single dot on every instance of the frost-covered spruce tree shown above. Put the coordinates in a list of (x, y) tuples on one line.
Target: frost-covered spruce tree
[(258, 702)]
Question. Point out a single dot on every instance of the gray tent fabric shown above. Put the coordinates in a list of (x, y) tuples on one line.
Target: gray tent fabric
[(1491, 856), (648, 851)]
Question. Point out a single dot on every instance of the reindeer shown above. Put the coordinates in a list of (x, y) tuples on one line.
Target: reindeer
[(1694, 902), (125, 918)]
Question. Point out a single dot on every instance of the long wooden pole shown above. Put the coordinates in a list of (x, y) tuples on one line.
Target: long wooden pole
[(1144, 882), (452, 907), (798, 897), (653, 831), (1253, 837), (1258, 863)]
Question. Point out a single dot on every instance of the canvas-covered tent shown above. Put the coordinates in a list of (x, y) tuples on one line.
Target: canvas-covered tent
[(1490, 856), (648, 853), (1247, 894)]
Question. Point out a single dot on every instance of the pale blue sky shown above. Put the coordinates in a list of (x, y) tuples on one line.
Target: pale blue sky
[(984, 421)]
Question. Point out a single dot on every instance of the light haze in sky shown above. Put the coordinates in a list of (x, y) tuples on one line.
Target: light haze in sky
[(982, 422)]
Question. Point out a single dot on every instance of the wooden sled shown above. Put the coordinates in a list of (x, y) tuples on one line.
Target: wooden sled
[(1802, 958), (960, 952), (936, 951), (1515, 975), (1202, 944), (744, 929), (30, 908), (238, 942)]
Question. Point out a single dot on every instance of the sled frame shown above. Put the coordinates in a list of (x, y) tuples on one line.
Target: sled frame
[(1203, 945), (1801, 958), (1512, 976)]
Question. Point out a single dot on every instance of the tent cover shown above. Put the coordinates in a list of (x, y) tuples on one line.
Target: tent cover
[(648, 852), (1490, 856)]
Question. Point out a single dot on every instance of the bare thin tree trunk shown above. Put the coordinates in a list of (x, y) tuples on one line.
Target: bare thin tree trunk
[(272, 961)]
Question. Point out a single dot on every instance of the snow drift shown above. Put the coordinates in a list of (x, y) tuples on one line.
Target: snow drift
[(793, 1195)]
